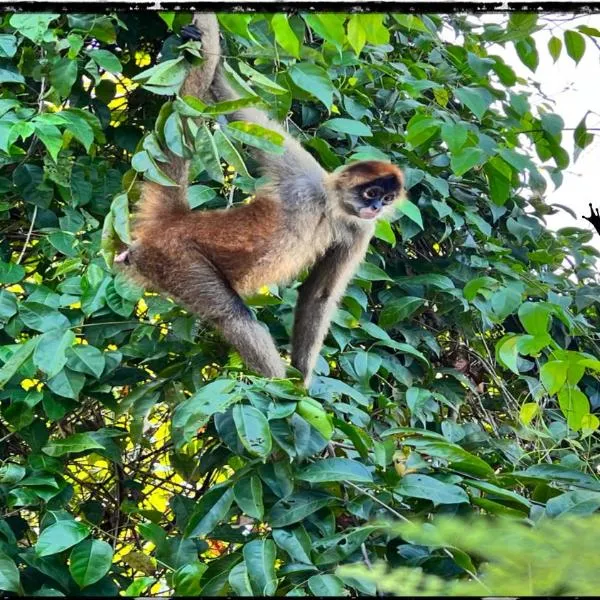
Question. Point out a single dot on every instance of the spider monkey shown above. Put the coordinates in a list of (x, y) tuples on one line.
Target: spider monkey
[(304, 216)]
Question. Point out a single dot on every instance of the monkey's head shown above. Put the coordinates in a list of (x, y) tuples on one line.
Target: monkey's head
[(366, 188)]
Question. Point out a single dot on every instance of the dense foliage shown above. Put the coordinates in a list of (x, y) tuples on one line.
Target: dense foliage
[(459, 378)]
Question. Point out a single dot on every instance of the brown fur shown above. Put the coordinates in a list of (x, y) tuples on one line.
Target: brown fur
[(302, 217), (367, 170)]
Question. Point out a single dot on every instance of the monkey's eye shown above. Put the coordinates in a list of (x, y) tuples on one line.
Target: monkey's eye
[(388, 198), (372, 193)]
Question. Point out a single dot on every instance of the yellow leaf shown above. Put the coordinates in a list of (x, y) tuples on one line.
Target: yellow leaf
[(528, 411)]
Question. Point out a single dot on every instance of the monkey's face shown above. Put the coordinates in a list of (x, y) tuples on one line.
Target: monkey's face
[(369, 187), (372, 197)]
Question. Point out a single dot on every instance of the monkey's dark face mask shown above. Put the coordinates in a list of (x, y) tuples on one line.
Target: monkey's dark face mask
[(371, 198)]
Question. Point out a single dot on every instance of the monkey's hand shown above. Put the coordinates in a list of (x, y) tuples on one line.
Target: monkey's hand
[(190, 32), (592, 216), (123, 257)]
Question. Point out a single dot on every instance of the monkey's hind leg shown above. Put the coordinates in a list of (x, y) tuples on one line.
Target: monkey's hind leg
[(201, 288)]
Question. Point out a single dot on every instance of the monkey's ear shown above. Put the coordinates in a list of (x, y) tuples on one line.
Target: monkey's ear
[(190, 32)]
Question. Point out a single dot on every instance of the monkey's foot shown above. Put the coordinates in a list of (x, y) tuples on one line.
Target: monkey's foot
[(123, 257), (190, 32)]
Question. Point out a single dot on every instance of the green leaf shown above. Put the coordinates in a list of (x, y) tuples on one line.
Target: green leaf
[(16, 360), (375, 30), (60, 536), (508, 352), (164, 78), (174, 135), (357, 35), (259, 556), (574, 405), (296, 507), (553, 124), (428, 488), (528, 411), (262, 81), (239, 580), (589, 424), (8, 304), (455, 136), (499, 175), (335, 469), (86, 359), (421, 129), (40, 317), (9, 575), (198, 195), (575, 44), (256, 135), (284, 34), (326, 585), (527, 52), (208, 154), (576, 502), (582, 137), (32, 25), (466, 159), (11, 473), (90, 561), (313, 413), (77, 442), (106, 60), (193, 413), (499, 492), (553, 375), (521, 24), (535, 317), (67, 383), (476, 99), (186, 580), (370, 272), (459, 458), (50, 353), (63, 75), (10, 76), (314, 80), (410, 22), (248, 495), (210, 510), (384, 231), (328, 25), (348, 126), (399, 309), (238, 24), (8, 45), (11, 272), (555, 47), (228, 152), (119, 208), (50, 136), (253, 429), (296, 543)]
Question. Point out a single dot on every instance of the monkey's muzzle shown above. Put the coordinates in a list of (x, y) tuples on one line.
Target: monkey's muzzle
[(369, 212)]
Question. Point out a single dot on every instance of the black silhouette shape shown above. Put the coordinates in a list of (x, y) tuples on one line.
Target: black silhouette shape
[(190, 32), (594, 219)]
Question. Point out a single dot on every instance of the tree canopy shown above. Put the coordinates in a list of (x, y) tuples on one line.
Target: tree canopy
[(139, 457)]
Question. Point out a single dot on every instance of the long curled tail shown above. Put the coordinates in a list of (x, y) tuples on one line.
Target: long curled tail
[(158, 201)]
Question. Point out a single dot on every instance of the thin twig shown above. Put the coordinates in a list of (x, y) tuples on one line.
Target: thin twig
[(26, 243), (363, 549), (380, 502)]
